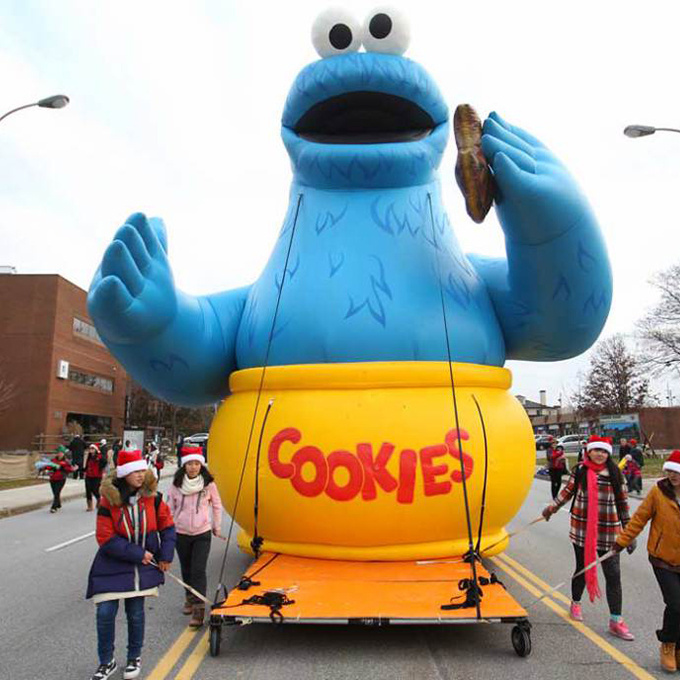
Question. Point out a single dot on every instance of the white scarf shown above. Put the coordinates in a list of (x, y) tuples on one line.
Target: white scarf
[(191, 486)]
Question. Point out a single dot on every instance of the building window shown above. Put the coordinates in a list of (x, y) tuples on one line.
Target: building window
[(86, 330), (90, 380)]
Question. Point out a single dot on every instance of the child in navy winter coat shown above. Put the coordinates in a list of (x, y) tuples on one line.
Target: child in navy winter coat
[(136, 537)]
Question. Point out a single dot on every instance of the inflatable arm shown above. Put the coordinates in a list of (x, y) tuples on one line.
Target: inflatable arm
[(553, 292), (179, 347)]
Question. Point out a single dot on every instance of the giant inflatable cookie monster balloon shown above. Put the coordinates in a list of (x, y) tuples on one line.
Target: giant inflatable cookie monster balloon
[(360, 456)]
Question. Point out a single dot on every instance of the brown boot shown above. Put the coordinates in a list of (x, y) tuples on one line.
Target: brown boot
[(90, 506), (197, 616), (188, 607), (667, 652)]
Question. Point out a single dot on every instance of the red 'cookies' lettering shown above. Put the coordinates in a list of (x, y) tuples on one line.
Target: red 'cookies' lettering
[(375, 470), (345, 459), (431, 486), (312, 455)]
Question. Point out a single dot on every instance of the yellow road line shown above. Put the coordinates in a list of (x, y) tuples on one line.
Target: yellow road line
[(625, 661), (557, 595), (195, 658), (170, 658)]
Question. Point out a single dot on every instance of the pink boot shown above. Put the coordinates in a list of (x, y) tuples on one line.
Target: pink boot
[(620, 630), (575, 613)]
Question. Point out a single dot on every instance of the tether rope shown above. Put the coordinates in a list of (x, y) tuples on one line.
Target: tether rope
[(486, 475), (257, 401), (455, 412)]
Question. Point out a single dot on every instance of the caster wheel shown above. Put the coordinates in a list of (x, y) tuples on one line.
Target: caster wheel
[(521, 641), (216, 640)]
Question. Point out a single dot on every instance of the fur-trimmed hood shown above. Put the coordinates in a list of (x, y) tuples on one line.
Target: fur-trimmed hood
[(110, 487)]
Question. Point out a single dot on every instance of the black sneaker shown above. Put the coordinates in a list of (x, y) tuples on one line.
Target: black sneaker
[(106, 670), (133, 668)]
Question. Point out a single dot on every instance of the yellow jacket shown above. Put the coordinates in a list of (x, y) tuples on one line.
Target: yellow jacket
[(661, 507)]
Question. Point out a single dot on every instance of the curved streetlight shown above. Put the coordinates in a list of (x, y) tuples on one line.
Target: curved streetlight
[(635, 131), (57, 101)]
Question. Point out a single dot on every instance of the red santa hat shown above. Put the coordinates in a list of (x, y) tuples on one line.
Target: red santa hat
[(604, 443), (192, 453), (130, 461), (673, 462)]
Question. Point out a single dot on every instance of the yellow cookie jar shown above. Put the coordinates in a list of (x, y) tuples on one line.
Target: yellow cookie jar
[(362, 461)]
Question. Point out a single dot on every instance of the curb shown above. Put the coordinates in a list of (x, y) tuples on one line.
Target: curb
[(73, 495)]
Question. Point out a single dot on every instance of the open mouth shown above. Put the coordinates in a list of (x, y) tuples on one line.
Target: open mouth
[(364, 118)]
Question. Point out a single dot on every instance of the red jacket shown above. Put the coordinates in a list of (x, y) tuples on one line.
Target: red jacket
[(96, 462), (60, 472)]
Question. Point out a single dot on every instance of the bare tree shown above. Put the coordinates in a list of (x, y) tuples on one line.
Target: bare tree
[(615, 381), (659, 329), (8, 391)]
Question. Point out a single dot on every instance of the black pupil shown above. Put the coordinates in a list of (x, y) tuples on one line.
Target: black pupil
[(340, 36), (380, 26)]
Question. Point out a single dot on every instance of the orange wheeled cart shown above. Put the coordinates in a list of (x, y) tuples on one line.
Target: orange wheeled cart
[(280, 588)]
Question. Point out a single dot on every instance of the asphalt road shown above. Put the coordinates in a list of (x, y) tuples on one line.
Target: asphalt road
[(47, 628)]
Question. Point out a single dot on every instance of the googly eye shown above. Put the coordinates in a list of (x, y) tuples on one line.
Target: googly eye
[(336, 31), (386, 30)]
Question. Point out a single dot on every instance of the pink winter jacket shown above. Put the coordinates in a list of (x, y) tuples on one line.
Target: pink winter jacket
[(197, 513)]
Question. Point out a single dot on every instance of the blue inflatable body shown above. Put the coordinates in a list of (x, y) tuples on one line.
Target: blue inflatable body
[(365, 132)]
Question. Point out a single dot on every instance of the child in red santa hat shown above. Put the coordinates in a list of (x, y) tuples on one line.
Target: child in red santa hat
[(195, 504), (598, 511), (661, 507)]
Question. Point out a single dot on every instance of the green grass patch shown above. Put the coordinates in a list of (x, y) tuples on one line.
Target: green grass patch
[(19, 483)]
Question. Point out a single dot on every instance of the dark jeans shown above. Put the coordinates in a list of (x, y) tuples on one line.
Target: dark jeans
[(56, 492), (634, 483), (92, 488), (612, 575), (193, 554), (555, 482), (80, 472), (669, 582), (106, 627)]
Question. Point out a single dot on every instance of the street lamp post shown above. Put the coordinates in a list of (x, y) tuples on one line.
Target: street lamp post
[(57, 101), (635, 131)]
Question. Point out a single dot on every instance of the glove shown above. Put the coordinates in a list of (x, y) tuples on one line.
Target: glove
[(547, 513), (631, 547), (617, 548)]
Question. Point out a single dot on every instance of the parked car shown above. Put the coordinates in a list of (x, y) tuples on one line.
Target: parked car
[(572, 443), (543, 441), (197, 439)]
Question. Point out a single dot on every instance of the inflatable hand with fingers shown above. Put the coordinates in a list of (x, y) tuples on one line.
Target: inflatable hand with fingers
[(360, 454)]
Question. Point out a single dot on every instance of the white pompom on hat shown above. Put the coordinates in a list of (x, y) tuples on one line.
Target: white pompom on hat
[(128, 462), (192, 453), (603, 443), (673, 462)]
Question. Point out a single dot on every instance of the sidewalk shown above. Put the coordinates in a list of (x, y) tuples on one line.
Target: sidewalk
[(27, 498)]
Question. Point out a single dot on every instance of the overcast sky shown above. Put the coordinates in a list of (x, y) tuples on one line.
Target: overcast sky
[(175, 110)]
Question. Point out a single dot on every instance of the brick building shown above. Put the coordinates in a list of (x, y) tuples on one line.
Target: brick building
[(57, 369)]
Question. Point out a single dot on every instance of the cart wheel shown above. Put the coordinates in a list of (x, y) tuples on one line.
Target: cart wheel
[(216, 640), (521, 640)]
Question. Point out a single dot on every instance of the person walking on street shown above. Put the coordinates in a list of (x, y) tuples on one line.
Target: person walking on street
[(633, 474), (95, 462), (117, 446), (624, 448), (598, 510), (195, 504), (77, 449), (637, 454), (557, 467), (136, 537), (662, 507), (107, 453), (60, 470)]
